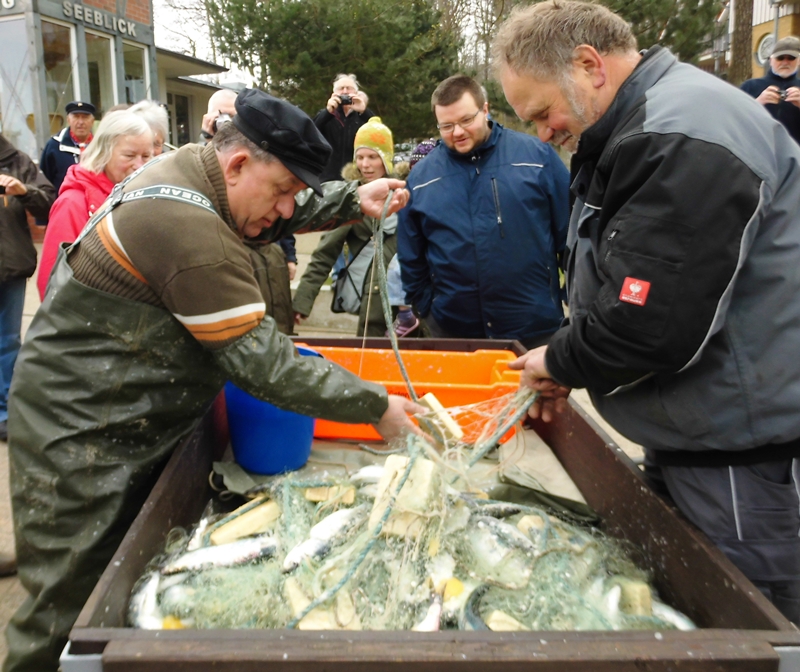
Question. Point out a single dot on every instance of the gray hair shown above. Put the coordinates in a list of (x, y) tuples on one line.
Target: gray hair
[(113, 127), (342, 75), (155, 116), (229, 137), (540, 40)]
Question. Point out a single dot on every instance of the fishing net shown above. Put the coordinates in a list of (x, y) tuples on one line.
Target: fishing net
[(441, 531), (408, 541)]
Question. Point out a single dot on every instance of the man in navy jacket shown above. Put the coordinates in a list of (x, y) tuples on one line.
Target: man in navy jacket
[(64, 149), (479, 241), (779, 90)]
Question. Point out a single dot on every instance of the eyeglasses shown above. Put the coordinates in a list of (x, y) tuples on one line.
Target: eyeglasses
[(785, 57), (465, 123)]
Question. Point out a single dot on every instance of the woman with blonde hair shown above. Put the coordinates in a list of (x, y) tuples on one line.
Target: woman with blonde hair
[(155, 114), (122, 143)]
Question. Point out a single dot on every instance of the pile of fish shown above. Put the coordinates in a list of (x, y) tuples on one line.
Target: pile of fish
[(395, 546)]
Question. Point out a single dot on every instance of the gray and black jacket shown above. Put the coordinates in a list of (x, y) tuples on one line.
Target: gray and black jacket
[(683, 268)]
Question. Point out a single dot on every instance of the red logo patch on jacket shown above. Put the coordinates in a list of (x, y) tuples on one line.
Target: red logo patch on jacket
[(634, 291)]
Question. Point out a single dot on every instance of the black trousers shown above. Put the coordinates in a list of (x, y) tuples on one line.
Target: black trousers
[(752, 513)]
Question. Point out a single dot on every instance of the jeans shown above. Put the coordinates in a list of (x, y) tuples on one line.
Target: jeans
[(12, 300)]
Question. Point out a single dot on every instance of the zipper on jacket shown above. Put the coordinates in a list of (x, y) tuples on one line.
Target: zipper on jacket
[(610, 239), (497, 207), (475, 163)]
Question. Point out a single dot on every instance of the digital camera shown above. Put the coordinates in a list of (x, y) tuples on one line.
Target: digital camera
[(783, 94), (221, 119), (345, 99)]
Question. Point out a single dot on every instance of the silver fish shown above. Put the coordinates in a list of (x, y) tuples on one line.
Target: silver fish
[(238, 552), (143, 611), (370, 474), (508, 534), (433, 617), (672, 616), (326, 534), (492, 507)]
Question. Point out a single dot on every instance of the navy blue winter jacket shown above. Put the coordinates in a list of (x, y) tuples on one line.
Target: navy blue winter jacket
[(58, 155), (479, 238)]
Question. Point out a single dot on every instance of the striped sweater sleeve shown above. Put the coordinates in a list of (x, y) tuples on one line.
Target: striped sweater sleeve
[(194, 265)]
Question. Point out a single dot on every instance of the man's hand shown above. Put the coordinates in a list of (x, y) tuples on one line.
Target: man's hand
[(292, 266), (333, 103), (793, 96), (359, 102), (373, 195), (552, 396), (298, 318), (395, 421), (770, 96), (13, 186)]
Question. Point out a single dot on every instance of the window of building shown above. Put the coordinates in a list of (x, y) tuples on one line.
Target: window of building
[(60, 66), (179, 119), (136, 84), (100, 62), (17, 120)]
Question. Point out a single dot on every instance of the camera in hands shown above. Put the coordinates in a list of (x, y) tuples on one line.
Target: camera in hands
[(221, 119), (782, 94), (345, 99)]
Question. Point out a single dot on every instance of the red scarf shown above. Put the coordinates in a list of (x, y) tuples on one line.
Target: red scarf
[(78, 144)]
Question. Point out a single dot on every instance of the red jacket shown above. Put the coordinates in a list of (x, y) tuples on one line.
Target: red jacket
[(81, 194)]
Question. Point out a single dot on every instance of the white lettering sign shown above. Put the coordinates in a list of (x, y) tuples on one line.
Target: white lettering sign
[(92, 16)]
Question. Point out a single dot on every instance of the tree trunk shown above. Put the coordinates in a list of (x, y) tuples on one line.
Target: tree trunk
[(741, 67)]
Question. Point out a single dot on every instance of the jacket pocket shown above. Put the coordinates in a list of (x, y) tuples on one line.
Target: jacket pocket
[(651, 252)]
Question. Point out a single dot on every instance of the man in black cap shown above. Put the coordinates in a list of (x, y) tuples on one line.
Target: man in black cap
[(64, 149), (779, 90), (147, 315)]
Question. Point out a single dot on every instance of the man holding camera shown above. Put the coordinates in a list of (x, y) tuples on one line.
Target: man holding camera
[(779, 90), (345, 112)]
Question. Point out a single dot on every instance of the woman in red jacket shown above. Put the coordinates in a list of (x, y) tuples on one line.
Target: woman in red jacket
[(123, 142)]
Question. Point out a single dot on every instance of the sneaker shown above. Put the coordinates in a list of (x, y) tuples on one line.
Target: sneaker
[(403, 327), (4, 430)]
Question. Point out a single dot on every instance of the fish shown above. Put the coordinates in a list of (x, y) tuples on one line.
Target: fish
[(433, 617), (143, 610), (492, 507), (470, 618), (672, 616), (508, 534), (372, 473), (329, 532), (196, 540), (236, 553)]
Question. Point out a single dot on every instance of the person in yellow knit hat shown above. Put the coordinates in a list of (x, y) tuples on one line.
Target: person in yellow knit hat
[(356, 288)]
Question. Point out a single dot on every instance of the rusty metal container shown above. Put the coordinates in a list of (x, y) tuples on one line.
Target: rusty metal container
[(739, 629)]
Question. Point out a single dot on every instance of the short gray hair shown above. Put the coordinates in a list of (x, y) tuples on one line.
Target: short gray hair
[(342, 75), (155, 116), (113, 127), (229, 137), (540, 40)]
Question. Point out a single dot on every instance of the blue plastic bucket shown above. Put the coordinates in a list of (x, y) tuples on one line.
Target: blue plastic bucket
[(266, 439)]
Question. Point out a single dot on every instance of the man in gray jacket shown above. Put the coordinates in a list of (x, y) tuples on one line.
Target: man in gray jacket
[(682, 258)]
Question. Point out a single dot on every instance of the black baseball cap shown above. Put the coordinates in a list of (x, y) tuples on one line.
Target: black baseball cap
[(285, 131), (79, 107)]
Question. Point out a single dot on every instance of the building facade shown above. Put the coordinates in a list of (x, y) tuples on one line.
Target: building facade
[(100, 51)]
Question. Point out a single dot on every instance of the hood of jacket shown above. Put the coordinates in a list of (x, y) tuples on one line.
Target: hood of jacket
[(351, 172), (7, 150), (94, 186)]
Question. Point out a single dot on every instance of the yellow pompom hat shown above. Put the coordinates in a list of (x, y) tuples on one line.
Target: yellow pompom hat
[(376, 136)]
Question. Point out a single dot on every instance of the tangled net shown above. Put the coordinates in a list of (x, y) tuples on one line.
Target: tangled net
[(410, 542)]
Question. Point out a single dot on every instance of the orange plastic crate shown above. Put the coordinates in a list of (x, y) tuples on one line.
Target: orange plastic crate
[(456, 378)]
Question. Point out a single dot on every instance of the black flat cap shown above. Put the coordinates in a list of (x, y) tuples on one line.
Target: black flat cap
[(79, 107), (282, 129)]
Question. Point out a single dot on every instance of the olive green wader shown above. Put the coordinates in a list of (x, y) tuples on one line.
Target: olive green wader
[(104, 390)]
